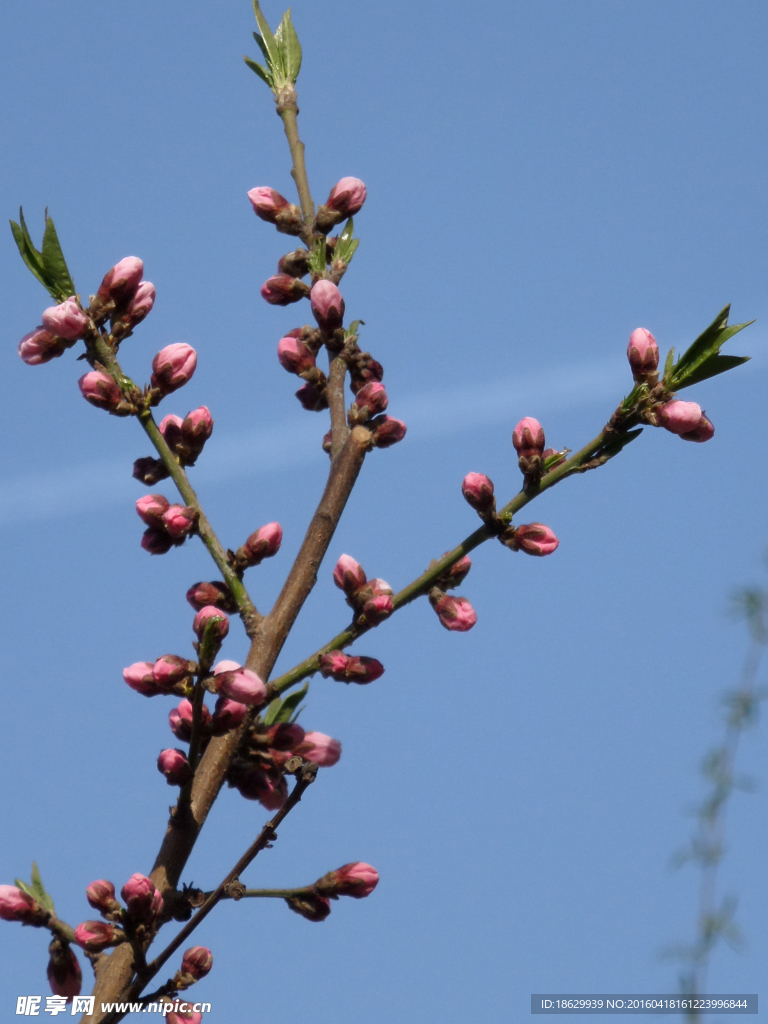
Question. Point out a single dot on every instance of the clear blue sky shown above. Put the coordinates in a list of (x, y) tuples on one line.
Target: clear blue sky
[(543, 177)]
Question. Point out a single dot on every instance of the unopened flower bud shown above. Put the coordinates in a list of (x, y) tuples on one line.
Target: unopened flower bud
[(173, 764), (121, 282), (180, 720), (141, 677), (323, 750), (254, 783), (170, 428), (214, 593), (172, 367), (197, 962), (94, 936), (40, 346), (275, 209), (679, 417), (294, 355), (294, 264), (310, 905), (347, 197), (179, 521), (478, 492), (227, 715), (196, 428), (312, 398), (377, 609), (327, 305), (357, 880), (140, 306), (151, 509), (349, 575), (350, 669), (64, 974), (101, 896), (170, 670), (156, 542), (188, 1016), (239, 684), (285, 736), (388, 431), (455, 613), (334, 665), (455, 574), (703, 431), (66, 320), (17, 905), (142, 900), (150, 471), (211, 614), (264, 543), (364, 369), (643, 354), (282, 290), (534, 539), (101, 390), (528, 437), (370, 400)]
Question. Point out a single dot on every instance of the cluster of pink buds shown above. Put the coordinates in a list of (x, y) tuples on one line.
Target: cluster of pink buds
[(264, 543), (345, 668), (169, 674), (185, 437), (296, 352), (346, 199), (167, 525), (64, 974), (372, 599), (275, 209), (532, 538), (124, 297), (172, 367), (62, 326), (455, 613), (686, 420), (357, 880), (143, 908)]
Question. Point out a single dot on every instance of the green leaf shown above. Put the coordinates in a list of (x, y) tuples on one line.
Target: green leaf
[(614, 447), (353, 328), (669, 364), (262, 46), (290, 48), (23, 886), (55, 264), (263, 74), (317, 257), (30, 255), (271, 49), (711, 368), (282, 710), (708, 344), (37, 890), (346, 245)]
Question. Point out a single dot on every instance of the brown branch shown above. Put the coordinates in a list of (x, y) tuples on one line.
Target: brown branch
[(336, 402)]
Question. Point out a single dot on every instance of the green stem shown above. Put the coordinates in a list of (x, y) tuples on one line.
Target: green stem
[(282, 894), (288, 110)]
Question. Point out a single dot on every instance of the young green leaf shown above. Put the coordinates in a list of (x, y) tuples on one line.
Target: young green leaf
[(30, 255), (38, 890), (708, 344), (615, 446), (55, 264), (290, 48), (346, 245), (272, 51), (669, 364), (282, 710), (263, 74), (317, 257), (711, 368), (262, 46)]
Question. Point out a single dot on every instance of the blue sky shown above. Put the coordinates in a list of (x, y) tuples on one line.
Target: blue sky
[(543, 177)]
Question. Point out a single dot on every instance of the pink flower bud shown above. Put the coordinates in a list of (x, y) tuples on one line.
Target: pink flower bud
[(275, 209), (285, 736), (347, 197), (323, 750), (16, 905), (227, 715), (140, 677), (349, 575), (121, 282), (216, 593), (207, 614), (156, 542), (455, 613), (536, 539), (101, 895), (254, 783), (179, 521), (239, 684), (151, 509), (142, 900), (40, 346), (294, 355), (97, 935), (101, 390), (310, 905), (679, 417), (357, 880), (140, 306), (264, 543), (388, 431), (64, 974), (173, 366), (197, 428), (150, 471), (703, 431), (170, 428), (66, 320), (528, 437), (180, 720), (197, 962), (312, 399), (334, 665), (478, 492), (188, 1016), (282, 290), (170, 670), (346, 669), (173, 764), (378, 609), (327, 305), (373, 397), (455, 574), (643, 353)]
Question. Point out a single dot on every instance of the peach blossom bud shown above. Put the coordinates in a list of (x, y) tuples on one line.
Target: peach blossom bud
[(254, 783), (16, 905), (101, 895), (227, 715), (378, 609), (179, 521), (703, 431), (363, 370), (206, 615), (334, 665), (282, 290), (140, 677), (264, 543), (101, 390), (294, 355), (310, 905), (173, 764), (142, 900), (181, 717), (150, 471), (478, 492), (140, 306), (196, 428), (169, 670), (156, 542), (66, 320), (643, 353), (215, 593), (197, 962), (323, 750), (455, 574), (535, 539), (679, 417), (372, 397), (188, 1016), (346, 669), (170, 428), (285, 735), (455, 613), (275, 209), (97, 935), (349, 575), (40, 346), (121, 282), (312, 399), (327, 305), (64, 974), (388, 431), (357, 880), (528, 437), (173, 366), (239, 684), (294, 264), (347, 197), (151, 509)]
